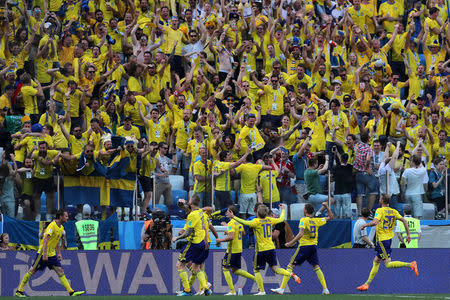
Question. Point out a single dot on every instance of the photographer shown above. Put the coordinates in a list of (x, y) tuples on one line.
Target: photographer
[(157, 232)]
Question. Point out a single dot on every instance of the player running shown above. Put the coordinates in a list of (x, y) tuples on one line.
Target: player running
[(195, 250), (384, 221), (264, 248), (232, 258), (49, 255), (307, 248)]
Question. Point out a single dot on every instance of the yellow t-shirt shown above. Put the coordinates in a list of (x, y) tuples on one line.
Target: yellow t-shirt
[(77, 145), (273, 100), (235, 245), (252, 137), (30, 99), (185, 132), (223, 182), (156, 131), (43, 171), (55, 233), (264, 181), (263, 230), (133, 132), (249, 177), (394, 10), (199, 169), (333, 121), (387, 217), (311, 230)]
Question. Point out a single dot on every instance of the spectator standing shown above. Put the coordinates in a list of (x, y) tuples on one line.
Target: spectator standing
[(437, 181), (163, 186), (300, 163), (387, 166), (313, 186), (343, 185), (286, 170), (413, 181)]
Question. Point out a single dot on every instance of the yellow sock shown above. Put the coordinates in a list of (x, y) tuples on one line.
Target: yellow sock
[(192, 279), (245, 274), (282, 271), (202, 279), (24, 281), (259, 281), (321, 277), (373, 272), (65, 283), (184, 280), (397, 264), (228, 279), (286, 277)]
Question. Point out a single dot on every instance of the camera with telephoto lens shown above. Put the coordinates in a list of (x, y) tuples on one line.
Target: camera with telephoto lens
[(160, 233)]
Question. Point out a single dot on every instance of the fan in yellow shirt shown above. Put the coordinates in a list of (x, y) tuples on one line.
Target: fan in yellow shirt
[(384, 220), (307, 248), (49, 254), (264, 248)]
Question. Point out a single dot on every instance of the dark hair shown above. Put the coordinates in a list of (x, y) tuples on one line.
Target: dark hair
[(195, 200), (60, 212), (364, 137), (416, 160), (309, 208), (365, 212), (407, 209), (233, 209), (312, 162), (223, 155), (433, 10)]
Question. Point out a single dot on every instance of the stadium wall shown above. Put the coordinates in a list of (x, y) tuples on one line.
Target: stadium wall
[(124, 272)]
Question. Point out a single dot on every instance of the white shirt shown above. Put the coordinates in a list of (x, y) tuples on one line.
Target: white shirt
[(415, 179), (394, 189), (358, 233)]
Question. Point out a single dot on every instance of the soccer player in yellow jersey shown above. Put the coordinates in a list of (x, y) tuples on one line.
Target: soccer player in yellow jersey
[(265, 248), (307, 248), (49, 255), (194, 251), (384, 220), (232, 258)]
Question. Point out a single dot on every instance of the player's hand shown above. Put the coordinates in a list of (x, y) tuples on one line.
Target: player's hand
[(325, 204), (206, 246), (59, 256), (408, 239), (44, 257), (229, 214), (217, 244), (289, 244), (174, 239)]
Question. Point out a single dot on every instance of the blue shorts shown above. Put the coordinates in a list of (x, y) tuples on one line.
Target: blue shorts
[(366, 184), (232, 260), (39, 264), (264, 257), (193, 253), (308, 253), (383, 249), (205, 255)]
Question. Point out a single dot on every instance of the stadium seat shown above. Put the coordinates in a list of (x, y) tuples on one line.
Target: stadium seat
[(296, 211), (160, 206), (429, 211), (177, 182), (178, 194)]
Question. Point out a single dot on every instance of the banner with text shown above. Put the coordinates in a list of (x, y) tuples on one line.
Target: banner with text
[(153, 272)]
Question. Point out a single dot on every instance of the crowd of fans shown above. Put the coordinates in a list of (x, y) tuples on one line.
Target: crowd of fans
[(264, 96)]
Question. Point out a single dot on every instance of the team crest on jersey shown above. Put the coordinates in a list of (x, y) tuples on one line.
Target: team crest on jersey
[(50, 230), (229, 228), (190, 223)]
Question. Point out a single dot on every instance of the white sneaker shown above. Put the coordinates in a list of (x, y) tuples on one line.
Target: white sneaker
[(208, 285), (279, 291), (260, 294), (179, 292), (230, 294), (326, 292)]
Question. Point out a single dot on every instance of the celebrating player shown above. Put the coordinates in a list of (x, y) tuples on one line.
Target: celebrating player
[(384, 221), (232, 258), (49, 254), (195, 249), (307, 248), (264, 250)]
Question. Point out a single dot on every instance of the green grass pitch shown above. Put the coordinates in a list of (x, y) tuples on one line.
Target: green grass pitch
[(269, 297)]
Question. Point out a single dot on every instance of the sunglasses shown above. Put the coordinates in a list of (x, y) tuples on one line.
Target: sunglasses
[(91, 72)]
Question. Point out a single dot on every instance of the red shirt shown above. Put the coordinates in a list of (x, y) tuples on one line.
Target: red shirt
[(362, 151), (283, 180)]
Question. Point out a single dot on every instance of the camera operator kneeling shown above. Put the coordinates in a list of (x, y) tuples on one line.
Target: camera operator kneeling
[(157, 232)]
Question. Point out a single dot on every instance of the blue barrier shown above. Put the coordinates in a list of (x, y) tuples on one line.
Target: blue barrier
[(154, 273)]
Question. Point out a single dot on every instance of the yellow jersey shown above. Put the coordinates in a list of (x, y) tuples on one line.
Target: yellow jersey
[(264, 179), (55, 233), (199, 169), (30, 99), (263, 230), (385, 227), (340, 120), (185, 132), (273, 100), (249, 176), (235, 245), (311, 230), (252, 137), (196, 221), (223, 182), (133, 132)]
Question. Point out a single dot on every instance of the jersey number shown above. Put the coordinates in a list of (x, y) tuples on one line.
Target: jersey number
[(388, 222), (267, 230), (312, 231)]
